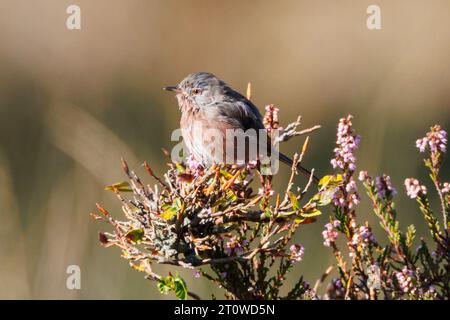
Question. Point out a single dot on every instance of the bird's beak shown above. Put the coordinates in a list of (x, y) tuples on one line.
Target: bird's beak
[(172, 88)]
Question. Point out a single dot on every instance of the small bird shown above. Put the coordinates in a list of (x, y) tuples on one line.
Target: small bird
[(208, 103)]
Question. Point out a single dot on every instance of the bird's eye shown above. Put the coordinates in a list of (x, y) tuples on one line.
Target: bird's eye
[(196, 91)]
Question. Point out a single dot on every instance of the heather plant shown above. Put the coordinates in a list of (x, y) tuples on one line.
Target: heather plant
[(229, 225), (393, 269)]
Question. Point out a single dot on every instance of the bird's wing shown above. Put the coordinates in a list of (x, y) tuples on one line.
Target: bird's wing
[(236, 113), (240, 109)]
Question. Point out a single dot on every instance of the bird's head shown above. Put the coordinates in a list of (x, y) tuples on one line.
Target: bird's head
[(198, 90)]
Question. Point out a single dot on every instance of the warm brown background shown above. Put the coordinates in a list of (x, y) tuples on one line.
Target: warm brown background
[(73, 102)]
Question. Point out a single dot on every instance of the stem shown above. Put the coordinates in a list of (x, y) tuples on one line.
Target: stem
[(441, 198), (193, 295)]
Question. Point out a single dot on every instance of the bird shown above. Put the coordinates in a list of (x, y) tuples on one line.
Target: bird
[(209, 105)]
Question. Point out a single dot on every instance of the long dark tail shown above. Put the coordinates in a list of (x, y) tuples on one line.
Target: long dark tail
[(304, 171)]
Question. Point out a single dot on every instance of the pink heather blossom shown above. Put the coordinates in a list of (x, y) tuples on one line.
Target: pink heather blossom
[(197, 274), (384, 186), (270, 119), (330, 233), (297, 253), (363, 176), (413, 188), (274, 111), (421, 144), (436, 140), (262, 192), (446, 188), (363, 236), (193, 164), (347, 142), (339, 200), (351, 186), (351, 199), (251, 165), (405, 280)]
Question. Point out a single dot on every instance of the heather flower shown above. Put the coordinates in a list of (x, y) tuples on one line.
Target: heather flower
[(439, 253), (353, 200), (351, 186), (262, 192), (350, 199), (347, 142), (330, 233), (335, 289), (405, 279), (446, 188), (363, 236), (270, 119), (384, 186), (421, 144), (251, 165), (363, 176), (436, 140), (339, 200), (297, 253), (430, 292), (310, 293), (197, 274), (232, 246), (413, 188), (193, 164)]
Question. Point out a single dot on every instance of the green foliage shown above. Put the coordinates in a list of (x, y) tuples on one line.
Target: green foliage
[(175, 284), (135, 236)]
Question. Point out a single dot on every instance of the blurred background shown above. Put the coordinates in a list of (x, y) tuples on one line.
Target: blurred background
[(73, 102)]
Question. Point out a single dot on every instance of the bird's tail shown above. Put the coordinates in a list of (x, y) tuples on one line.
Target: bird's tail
[(303, 170)]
